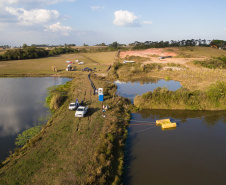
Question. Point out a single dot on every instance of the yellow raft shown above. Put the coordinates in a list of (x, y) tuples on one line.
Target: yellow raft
[(166, 124)]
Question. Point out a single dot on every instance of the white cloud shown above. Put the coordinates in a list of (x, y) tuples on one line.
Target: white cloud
[(97, 7), (58, 28), (36, 16), (147, 22), (125, 18)]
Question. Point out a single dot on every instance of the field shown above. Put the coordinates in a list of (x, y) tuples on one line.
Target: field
[(43, 66), (180, 67), (90, 150)]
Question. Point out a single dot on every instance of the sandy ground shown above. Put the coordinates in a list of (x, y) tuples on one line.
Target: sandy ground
[(148, 53)]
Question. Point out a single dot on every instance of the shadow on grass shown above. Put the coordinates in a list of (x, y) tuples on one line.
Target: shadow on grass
[(91, 111), (59, 70)]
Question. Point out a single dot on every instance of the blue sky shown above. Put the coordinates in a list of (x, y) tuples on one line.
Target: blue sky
[(97, 21)]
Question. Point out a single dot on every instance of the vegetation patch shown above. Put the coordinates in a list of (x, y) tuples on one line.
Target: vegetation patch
[(28, 134), (214, 63), (161, 98), (130, 70), (136, 58), (57, 95)]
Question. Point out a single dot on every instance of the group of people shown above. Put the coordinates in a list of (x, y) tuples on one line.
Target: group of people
[(77, 102), (104, 108)]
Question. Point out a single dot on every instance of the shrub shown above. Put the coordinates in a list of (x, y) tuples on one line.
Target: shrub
[(214, 63), (216, 91), (56, 101), (213, 98)]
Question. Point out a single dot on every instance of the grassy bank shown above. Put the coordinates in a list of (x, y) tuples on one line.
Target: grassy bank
[(71, 150), (214, 98), (192, 78)]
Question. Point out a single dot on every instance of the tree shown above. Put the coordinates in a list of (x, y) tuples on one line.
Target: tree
[(24, 46), (114, 45)]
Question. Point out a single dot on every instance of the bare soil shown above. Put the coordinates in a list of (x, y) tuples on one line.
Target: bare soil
[(148, 53), (154, 53)]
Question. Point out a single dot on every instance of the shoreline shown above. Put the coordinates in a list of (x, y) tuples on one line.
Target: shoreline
[(109, 139), (88, 150)]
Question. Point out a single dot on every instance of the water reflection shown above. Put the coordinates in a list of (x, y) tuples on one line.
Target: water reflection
[(132, 88), (193, 153), (207, 117), (21, 106)]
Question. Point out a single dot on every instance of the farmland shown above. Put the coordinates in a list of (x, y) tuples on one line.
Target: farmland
[(56, 154)]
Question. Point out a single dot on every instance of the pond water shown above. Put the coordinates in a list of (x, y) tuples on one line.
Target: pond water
[(22, 106), (192, 153), (131, 89)]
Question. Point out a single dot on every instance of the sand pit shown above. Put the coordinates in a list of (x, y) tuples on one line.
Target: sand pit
[(148, 53), (153, 54)]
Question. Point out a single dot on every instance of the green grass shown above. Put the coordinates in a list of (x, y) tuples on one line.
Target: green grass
[(213, 63), (71, 150), (104, 58), (197, 52), (43, 66)]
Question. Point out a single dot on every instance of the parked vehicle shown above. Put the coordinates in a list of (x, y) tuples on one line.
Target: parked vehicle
[(81, 111), (73, 106), (87, 69), (161, 57), (126, 61)]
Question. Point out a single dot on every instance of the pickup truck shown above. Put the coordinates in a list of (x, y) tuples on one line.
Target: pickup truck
[(81, 111)]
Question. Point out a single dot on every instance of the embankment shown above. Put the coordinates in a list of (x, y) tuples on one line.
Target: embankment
[(71, 150)]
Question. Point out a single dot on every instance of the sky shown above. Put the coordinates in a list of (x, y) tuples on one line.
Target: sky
[(106, 21)]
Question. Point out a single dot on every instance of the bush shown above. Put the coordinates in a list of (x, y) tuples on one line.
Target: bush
[(216, 91), (214, 63), (162, 98), (56, 101)]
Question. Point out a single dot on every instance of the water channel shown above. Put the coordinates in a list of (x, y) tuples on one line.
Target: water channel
[(22, 106), (192, 153)]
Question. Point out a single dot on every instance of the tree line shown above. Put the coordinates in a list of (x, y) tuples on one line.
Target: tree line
[(179, 43), (32, 52)]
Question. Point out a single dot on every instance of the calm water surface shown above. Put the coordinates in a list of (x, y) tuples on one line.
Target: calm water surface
[(131, 89), (193, 153), (22, 106)]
